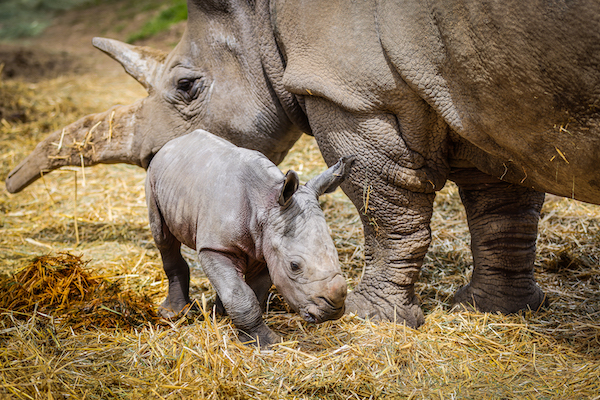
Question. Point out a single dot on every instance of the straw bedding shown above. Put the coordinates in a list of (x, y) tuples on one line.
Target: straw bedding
[(78, 308)]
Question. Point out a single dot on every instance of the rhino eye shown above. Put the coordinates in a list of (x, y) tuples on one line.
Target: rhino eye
[(185, 85), (295, 267), (190, 88)]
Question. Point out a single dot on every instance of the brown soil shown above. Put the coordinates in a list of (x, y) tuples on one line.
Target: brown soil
[(66, 46), (33, 64)]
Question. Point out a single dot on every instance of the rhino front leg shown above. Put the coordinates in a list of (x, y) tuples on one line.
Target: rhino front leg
[(237, 298), (503, 221), (392, 185), (260, 283)]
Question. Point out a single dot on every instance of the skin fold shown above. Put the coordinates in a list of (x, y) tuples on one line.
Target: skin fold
[(501, 97)]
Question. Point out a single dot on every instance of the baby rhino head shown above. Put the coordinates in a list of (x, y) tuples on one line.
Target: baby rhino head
[(300, 254)]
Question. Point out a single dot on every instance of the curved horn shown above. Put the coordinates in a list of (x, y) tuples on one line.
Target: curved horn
[(141, 62), (107, 138)]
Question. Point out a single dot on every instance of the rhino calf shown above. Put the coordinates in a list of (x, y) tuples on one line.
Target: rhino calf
[(251, 227)]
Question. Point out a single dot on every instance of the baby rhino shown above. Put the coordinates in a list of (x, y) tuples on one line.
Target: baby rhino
[(251, 227)]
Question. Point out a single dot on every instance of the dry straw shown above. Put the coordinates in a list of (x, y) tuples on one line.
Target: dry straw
[(77, 317)]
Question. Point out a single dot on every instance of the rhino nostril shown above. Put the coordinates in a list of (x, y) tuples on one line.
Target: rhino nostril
[(327, 301), (309, 317)]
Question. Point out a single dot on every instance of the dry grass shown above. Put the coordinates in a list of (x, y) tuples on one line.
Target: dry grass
[(66, 325)]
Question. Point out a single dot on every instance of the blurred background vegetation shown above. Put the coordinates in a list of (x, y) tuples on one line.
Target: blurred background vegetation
[(28, 18)]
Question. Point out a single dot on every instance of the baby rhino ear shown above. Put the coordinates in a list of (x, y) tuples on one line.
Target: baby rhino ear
[(290, 185), (329, 180)]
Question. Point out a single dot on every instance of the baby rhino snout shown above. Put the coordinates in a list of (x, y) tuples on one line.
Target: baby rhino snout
[(330, 304), (336, 291)]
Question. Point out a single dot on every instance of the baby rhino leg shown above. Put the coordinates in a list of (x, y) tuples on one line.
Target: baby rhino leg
[(260, 283), (238, 299), (175, 267)]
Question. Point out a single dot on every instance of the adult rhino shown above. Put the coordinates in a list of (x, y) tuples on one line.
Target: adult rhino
[(501, 97)]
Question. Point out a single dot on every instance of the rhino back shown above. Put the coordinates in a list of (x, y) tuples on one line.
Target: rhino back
[(519, 80), (211, 193)]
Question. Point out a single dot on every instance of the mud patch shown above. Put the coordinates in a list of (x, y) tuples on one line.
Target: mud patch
[(33, 65)]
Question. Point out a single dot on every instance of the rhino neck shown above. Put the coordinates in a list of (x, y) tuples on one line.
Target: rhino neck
[(273, 62)]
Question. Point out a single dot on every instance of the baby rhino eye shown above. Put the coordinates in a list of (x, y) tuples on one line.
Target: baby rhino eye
[(295, 267)]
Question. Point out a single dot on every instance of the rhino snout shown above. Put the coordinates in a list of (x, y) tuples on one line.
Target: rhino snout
[(329, 306), (337, 290)]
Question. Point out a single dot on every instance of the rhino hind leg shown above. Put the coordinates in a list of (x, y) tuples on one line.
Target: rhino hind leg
[(178, 275), (503, 221), (174, 265)]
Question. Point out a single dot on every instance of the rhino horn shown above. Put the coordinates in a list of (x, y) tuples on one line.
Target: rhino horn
[(141, 62), (107, 138), (329, 180)]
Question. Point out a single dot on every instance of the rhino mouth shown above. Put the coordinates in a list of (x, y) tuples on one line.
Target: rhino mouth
[(316, 314)]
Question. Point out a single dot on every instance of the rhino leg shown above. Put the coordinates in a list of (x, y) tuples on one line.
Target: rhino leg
[(392, 185), (503, 221), (178, 275), (238, 299), (260, 283), (175, 267)]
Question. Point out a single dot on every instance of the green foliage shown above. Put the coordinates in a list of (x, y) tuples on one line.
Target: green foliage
[(175, 12), (21, 18)]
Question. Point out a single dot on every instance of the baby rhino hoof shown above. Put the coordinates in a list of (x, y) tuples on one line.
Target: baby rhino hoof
[(263, 337), (168, 310)]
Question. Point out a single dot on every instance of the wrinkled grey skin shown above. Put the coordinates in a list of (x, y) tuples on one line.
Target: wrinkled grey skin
[(501, 97), (249, 225)]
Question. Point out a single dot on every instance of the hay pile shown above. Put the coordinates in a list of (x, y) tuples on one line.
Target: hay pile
[(87, 329), (61, 287)]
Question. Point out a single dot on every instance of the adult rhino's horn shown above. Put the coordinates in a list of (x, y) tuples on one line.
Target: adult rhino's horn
[(106, 138), (142, 63)]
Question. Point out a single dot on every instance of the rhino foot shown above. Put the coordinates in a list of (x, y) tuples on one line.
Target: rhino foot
[(407, 308), (262, 337), (169, 310), (491, 299)]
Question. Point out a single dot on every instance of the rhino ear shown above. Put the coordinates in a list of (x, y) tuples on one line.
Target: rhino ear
[(140, 62), (290, 185), (329, 180)]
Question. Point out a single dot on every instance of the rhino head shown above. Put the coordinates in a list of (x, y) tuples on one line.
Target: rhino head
[(221, 77), (301, 257)]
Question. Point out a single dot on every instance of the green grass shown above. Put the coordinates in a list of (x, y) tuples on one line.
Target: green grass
[(23, 18), (175, 12), (28, 18)]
